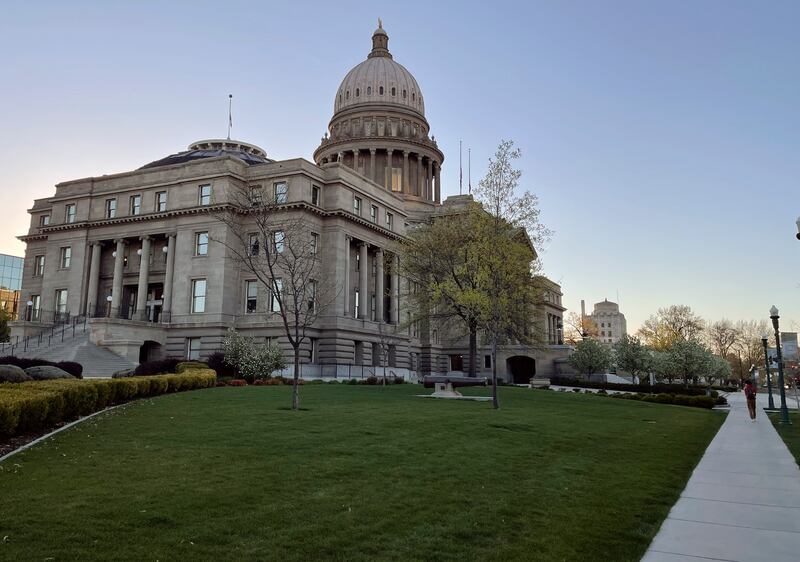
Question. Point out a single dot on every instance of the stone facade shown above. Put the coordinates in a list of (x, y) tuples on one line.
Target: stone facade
[(611, 324), (142, 256)]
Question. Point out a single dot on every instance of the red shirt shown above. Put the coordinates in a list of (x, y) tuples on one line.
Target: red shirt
[(750, 392)]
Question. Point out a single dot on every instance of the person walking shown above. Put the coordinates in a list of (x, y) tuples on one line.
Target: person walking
[(750, 395)]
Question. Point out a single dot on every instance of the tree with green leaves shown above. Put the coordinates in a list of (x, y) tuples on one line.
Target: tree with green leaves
[(690, 359), (5, 318), (591, 357), (632, 356)]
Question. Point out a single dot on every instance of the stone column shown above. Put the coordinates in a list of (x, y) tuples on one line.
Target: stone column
[(406, 183), (363, 281), (166, 306), (419, 175), (387, 180), (116, 286), (394, 290), (379, 285), (372, 164), (429, 181), (94, 281), (347, 310), (144, 280), (438, 172), (355, 159)]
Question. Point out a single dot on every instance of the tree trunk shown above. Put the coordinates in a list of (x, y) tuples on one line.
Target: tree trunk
[(296, 379), (473, 349), (495, 399)]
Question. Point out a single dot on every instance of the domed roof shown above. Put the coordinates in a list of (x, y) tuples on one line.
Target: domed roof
[(248, 153), (379, 80)]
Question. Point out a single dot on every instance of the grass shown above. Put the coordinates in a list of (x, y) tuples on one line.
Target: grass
[(365, 473), (789, 433)]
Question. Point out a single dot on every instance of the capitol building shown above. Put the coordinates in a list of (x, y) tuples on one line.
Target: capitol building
[(137, 253)]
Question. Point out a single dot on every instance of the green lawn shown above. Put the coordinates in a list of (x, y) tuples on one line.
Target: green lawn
[(365, 473), (789, 433)]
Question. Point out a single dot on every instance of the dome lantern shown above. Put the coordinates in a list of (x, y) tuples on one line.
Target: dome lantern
[(380, 42)]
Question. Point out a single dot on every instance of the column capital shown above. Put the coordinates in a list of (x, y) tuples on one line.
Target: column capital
[(145, 237), (406, 153), (373, 151), (379, 251)]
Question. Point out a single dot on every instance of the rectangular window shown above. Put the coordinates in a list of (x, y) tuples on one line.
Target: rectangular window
[(278, 241), (36, 307), (312, 295), (487, 361), (357, 206), (204, 194), (198, 296), (111, 208), (314, 350), (193, 349), (397, 179), (256, 196), (38, 266), (389, 220), (136, 205), (161, 201), (201, 244), (70, 213), (44, 220), (252, 244), (251, 298), (66, 257), (281, 190), (61, 301), (277, 289), (314, 242), (315, 195), (373, 213)]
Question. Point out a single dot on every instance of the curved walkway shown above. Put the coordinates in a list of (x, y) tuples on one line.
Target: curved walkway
[(742, 502)]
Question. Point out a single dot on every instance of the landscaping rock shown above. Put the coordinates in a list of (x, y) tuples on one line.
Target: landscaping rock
[(12, 373), (47, 372), (123, 373)]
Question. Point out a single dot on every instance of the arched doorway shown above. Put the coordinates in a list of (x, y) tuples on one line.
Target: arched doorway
[(150, 351), (521, 369)]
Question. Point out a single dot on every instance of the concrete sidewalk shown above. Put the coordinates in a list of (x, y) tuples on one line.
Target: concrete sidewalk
[(741, 503)]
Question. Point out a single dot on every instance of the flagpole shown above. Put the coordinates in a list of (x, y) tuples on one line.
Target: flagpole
[(230, 115), (469, 169), (460, 171)]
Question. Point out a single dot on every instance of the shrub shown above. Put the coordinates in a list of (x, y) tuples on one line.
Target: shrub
[(184, 366), (217, 362), (157, 367), (658, 388), (47, 372), (221, 383), (253, 360), (399, 380), (371, 380), (352, 381), (71, 367), (238, 382)]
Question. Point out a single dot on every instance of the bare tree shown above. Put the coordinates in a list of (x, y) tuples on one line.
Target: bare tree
[(275, 245), (578, 327), (670, 325), (722, 336)]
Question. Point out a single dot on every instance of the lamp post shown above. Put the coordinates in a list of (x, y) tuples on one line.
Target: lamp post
[(773, 314), (29, 312), (109, 298), (764, 338)]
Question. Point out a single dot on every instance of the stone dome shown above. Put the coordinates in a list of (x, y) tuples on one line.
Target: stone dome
[(379, 80), (250, 154)]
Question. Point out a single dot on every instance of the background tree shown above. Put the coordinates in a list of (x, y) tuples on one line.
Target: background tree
[(591, 357), (719, 370), (669, 325), (632, 357), (748, 349), (5, 318), (252, 359), (663, 367), (575, 325), (275, 245), (512, 217), (722, 336)]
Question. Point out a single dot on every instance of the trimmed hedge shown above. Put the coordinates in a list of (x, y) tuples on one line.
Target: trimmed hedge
[(39, 405), (706, 402), (73, 368), (658, 388)]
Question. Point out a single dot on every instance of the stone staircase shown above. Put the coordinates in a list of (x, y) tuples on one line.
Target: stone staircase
[(97, 362)]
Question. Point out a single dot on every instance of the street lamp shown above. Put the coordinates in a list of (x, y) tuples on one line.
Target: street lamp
[(797, 222), (109, 298), (773, 314), (29, 313), (764, 338)]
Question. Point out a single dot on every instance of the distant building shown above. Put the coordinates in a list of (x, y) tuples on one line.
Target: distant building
[(611, 324), (10, 283)]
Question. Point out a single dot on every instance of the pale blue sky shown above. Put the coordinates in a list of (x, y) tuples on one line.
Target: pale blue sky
[(663, 138)]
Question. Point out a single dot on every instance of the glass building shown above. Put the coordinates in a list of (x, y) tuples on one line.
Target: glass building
[(10, 283)]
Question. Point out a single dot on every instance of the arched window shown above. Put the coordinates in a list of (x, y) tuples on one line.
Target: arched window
[(358, 91), (413, 96), (340, 97), (369, 90), (380, 90), (393, 90), (404, 94), (347, 95)]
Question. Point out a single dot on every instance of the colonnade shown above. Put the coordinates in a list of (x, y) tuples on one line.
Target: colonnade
[(93, 307), (362, 308), (427, 180)]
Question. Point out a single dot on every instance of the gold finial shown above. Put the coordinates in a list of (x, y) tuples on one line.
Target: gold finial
[(380, 24)]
